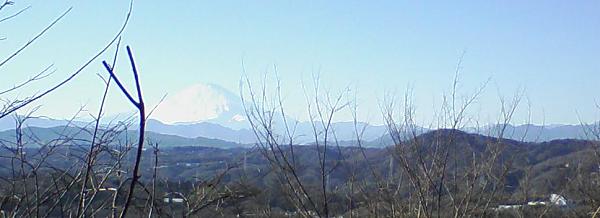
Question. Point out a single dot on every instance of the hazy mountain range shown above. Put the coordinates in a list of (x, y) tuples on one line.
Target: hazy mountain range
[(36, 136), (211, 112)]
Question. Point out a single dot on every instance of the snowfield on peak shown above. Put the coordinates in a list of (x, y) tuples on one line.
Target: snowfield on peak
[(200, 103)]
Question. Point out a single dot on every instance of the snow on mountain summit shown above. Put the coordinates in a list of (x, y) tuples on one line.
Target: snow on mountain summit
[(198, 103)]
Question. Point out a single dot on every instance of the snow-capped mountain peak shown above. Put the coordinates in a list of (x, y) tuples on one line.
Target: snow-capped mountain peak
[(200, 103)]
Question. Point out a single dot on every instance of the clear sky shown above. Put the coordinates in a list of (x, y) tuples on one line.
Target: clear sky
[(549, 48)]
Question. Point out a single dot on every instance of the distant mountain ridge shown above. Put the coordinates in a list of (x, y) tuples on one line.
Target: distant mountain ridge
[(9, 123), (211, 111), (535, 133), (214, 135), (82, 137), (374, 136), (203, 129)]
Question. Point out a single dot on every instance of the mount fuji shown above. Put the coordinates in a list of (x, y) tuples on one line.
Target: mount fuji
[(202, 103)]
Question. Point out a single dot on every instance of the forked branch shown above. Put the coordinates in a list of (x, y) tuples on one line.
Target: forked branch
[(139, 104)]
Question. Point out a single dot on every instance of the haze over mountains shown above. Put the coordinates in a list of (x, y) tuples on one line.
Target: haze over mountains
[(213, 112)]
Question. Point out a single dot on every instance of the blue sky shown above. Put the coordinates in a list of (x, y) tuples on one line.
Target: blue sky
[(549, 48)]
